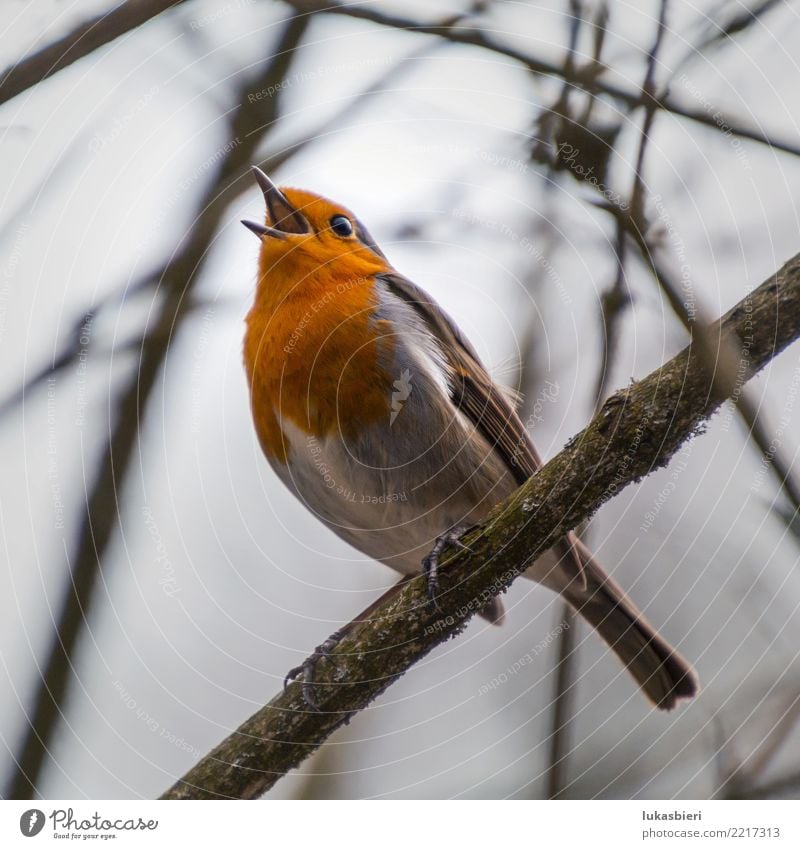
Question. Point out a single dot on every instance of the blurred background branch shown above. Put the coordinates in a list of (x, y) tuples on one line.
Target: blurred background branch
[(249, 124), (79, 43), (527, 195), (475, 36)]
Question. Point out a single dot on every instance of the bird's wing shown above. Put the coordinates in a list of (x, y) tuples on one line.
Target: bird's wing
[(484, 403), (472, 390)]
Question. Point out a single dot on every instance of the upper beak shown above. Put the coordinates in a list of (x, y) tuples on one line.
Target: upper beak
[(284, 217)]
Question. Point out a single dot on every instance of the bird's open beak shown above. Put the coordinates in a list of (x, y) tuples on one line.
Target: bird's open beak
[(284, 218)]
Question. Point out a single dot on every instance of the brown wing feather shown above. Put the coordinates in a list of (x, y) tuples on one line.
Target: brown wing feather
[(487, 406), (474, 392)]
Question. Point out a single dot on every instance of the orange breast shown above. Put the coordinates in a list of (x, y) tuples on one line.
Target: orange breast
[(312, 354)]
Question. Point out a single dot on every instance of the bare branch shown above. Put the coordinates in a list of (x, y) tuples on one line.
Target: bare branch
[(721, 33), (637, 431), (475, 37), (562, 703), (729, 363), (80, 42), (649, 100)]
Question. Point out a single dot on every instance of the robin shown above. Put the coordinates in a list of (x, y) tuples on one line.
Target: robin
[(376, 411)]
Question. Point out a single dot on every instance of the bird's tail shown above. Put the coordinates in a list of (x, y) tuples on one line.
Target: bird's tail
[(661, 672)]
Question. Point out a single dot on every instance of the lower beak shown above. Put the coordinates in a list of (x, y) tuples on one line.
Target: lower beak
[(261, 230)]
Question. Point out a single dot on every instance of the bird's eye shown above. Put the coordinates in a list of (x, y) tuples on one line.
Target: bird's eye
[(341, 225)]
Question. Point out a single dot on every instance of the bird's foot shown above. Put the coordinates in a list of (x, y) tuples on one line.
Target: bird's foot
[(304, 674), (430, 565)]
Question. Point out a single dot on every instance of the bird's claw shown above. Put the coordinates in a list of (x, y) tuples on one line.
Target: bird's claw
[(304, 673), (430, 569), (430, 564)]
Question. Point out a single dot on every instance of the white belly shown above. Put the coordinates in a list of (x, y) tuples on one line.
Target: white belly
[(394, 511)]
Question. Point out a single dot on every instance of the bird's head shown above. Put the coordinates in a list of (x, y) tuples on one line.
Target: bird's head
[(305, 234)]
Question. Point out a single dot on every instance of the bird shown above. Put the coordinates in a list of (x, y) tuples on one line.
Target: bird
[(375, 410)]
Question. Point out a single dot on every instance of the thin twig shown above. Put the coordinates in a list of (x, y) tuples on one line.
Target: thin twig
[(649, 100), (759, 762), (78, 43), (613, 302), (563, 702), (730, 365), (721, 33), (741, 776), (566, 655), (728, 362), (105, 28), (475, 37)]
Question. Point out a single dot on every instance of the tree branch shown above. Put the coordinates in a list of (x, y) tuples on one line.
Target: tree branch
[(585, 79), (81, 41), (637, 431)]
